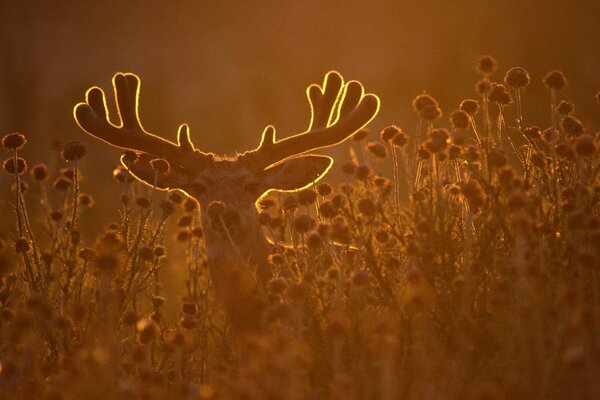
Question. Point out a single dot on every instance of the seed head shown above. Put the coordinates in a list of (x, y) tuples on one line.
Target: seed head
[(303, 223), (39, 173), (189, 308), (517, 78), (348, 168), (362, 172), (367, 207), (277, 285), (307, 197), (360, 135), (86, 200), (73, 151), (499, 94), (585, 145), (555, 80), (422, 101), (62, 184), (486, 65), (497, 158), (400, 139), (460, 120), (9, 166), (469, 106), (439, 139), (431, 113), (87, 254), (130, 157), (388, 133), (22, 245), (597, 97), (290, 203), (377, 149), (327, 210), (572, 126), (160, 166), (565, 107), (483, 87), (146, 253), (14, 141), (142, 202), (324, 189), (533, 132), (216, 209)]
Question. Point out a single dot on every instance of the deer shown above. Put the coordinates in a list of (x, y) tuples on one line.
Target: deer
[(236, 246)]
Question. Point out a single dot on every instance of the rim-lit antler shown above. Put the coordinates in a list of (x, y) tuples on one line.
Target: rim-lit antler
[(338, 110), (92, 117)]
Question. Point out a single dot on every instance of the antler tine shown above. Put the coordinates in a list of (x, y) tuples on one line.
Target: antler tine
[(92, 116), (338, 110)]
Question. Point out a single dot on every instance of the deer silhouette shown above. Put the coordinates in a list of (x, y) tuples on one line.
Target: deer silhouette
[(227, 188)]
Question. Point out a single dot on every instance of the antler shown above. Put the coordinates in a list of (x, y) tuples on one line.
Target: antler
[(92, 117), (337, 111)]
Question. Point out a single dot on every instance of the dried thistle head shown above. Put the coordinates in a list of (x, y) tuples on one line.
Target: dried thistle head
[(14, 141), (517, 78), (486, 65), (555, 80)]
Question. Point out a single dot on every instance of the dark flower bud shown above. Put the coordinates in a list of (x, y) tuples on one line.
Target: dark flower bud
[(130, 157), (360, 135), (21, 166), (367, 207), (362, 172), (73, 151), (160, 166), (307, 197), (486, 65), (39, 172), (517, 78), (555, 80), (216, 209), (460, 120), (422, 101), (565, 107), (142, 202), (377, 149), (22, 245), (572, 126), (469, 106), (14, 141), (388, 133), (585, 146), (62, 184), (400, 139), (324, 189)]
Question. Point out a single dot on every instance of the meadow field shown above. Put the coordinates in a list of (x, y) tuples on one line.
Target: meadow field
[(456, 257)]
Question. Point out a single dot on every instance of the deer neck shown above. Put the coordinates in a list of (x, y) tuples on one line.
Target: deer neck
[(238, 266), (251, 248)]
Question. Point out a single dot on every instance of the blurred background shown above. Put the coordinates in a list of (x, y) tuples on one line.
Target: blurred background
[(228, 68)]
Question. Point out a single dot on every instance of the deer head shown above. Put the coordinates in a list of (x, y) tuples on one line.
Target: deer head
[(338, 109)]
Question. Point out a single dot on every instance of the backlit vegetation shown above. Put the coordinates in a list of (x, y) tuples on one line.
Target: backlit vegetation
[(458, 259)]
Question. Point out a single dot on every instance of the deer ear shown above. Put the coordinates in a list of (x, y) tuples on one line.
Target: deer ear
[(142, 170), (297, 173)]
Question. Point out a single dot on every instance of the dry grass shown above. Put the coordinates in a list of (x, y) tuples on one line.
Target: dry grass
[(468, 272)]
